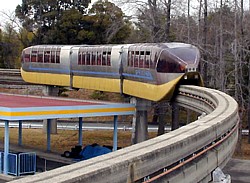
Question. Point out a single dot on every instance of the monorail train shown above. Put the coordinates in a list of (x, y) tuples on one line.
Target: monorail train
[(149, 70)]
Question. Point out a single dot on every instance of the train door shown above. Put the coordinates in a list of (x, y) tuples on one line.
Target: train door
[(118, 61), (67, 58), (116, 58), (74, 51)]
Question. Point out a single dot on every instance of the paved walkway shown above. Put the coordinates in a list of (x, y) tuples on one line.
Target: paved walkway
[(239, 170)]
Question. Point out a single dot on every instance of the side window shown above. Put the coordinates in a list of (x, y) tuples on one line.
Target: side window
[(131, 59), (93, 58), (141, 59), (87, 58), (53, 57), (79, 58), (104, 58), (147, 60), (58, 56), (46, 56), (27, 56), (109, 58), (40, 56), (153, 61), (136, 59), (99, 59), (83, 58), (34, 56)]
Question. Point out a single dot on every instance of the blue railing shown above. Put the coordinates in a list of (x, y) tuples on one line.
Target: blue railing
[(19, 164), (27, 163), (12, 163)]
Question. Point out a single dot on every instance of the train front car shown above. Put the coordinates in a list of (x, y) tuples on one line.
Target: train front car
[(171, 64)]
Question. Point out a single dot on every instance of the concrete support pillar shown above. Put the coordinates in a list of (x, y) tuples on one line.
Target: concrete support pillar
[(162, 119), (175, 116), (53, 123), (50, 91), (140, 123)]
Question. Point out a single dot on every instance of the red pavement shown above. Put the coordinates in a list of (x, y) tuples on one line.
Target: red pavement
[(14, 101)]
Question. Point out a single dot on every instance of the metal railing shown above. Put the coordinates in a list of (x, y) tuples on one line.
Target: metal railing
[(19, 164)]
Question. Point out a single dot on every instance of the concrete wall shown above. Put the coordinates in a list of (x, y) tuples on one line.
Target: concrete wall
[(143, 159)]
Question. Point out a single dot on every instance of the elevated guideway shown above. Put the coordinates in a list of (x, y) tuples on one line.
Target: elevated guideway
[(188, 154)]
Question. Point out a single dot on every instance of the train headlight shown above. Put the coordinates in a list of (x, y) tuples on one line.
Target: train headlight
[(185, 77)]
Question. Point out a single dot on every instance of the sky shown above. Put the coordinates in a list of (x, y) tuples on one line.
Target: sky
[(9, 5)]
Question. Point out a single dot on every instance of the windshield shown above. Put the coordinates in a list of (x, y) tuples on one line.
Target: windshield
[(167, 64), (190, 55)]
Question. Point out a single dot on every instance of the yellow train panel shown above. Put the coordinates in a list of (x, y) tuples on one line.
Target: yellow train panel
[(46, 78), (102, 84), (150, 91)]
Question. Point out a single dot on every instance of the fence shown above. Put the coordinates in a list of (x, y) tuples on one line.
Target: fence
[(19, 164)]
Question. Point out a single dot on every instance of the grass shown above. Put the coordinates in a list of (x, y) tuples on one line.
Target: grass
[(66, 139)]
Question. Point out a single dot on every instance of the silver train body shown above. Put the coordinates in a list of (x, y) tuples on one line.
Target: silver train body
[(148, 66)]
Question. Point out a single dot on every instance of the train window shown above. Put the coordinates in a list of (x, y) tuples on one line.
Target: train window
[(47, 57), (53, 57), (146, 63), (104, 58), (34, 56), (189, 55), (153, 61), (99, 59), (26, 57), (40, 56), (87, 58), (147, 60), (93, 58), (141, 59), (83, 58), (136, 59), (152, 64), (57, 57), (109, 58), (168, 65), (79, 58), (131, 59)]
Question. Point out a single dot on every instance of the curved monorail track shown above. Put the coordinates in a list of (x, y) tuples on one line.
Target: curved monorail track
[(188, 154)]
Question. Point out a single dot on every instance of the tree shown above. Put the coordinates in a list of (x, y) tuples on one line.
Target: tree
[(109, 23), (67, 22), (42, 16), (9, 48), (12, 40)]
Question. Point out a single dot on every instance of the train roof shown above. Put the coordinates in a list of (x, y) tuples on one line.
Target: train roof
[(159, 45)]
